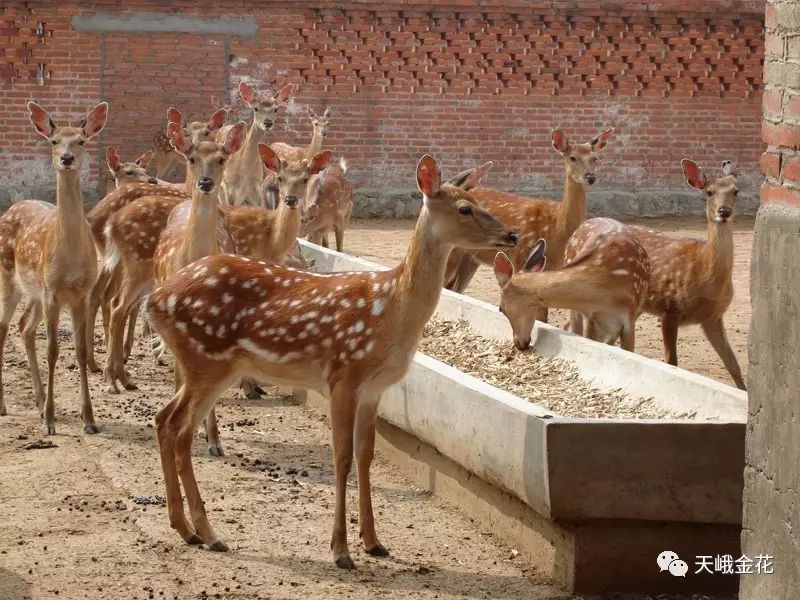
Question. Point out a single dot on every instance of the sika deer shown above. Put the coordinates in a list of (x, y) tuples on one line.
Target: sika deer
[(46, 252), (332, 193), (319, 129), (605, 278), (691, 280), (245, 172), (536, 218), (347, 335), (130, 172)]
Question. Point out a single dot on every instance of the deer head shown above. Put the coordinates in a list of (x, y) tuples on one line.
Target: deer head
[(129, 172), (580, 159), (519, 307), (454, 214), (719, 195), (68, 142), (206, 160), (320, 123), (265, 108), (197, 130), (293, 176)]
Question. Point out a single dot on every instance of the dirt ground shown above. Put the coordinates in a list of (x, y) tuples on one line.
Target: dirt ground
[(371, 240)]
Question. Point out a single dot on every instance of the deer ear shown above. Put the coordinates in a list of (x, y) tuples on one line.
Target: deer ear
[(694, 174), (95, 120), (112, 158), (503, 269), (728, 168), (429, 179), (217, 120), (269, 158), (174, 116), (144, 160), (320, 161), (180, 141), (311, 113), (41, 120), (283, 94), (234, 139), (537, 259), (246, 92), (599, 142), (327, 112), (471, 177), (559, 140)]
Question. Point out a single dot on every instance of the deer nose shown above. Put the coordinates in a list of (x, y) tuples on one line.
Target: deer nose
[(67, 159), (291, 201), (205, 183), (152, 180), (590, 178), (522, 344), (513, 238), (725, 212), (267, 123)]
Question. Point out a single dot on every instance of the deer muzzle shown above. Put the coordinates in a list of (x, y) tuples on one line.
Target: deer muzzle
[(590, 178), (206, 184), (67, 160), (724, 212)]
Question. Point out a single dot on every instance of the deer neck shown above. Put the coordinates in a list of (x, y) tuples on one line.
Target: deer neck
[(71, 222), (287, 228), (200, 235), (315, 145), (188, 186), (567, 288), (572, 210), (719, 250), (248, 161), (420, 278)]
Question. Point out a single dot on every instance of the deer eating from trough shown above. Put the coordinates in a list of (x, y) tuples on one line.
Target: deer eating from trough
[(46, 253), (605, 278), (691, 280), (346, 335)]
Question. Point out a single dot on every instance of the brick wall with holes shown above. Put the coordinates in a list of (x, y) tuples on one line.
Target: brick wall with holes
[(465, 80)]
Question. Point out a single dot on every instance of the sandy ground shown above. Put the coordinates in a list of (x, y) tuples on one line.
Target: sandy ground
[(386, 242)]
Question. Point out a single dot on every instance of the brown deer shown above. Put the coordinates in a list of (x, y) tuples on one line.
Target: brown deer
[(46, 252), (536, 218), (332, 193), (346, 335), (319, 129), (691, 279), (129, 172), (244, 175), (605, 278)]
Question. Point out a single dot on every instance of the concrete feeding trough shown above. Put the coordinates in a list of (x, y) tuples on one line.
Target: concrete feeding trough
[(592, 502)]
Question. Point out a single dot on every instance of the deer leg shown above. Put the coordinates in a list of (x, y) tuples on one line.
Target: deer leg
[(338, 230), (324, 238), (166, 433), (628, 334), (114, 370), (97, 298), (366, 415), (541, 315), (80, 333), (28, 323), (669, 333), (342, 418), (10, 299), (715, 332), (51, 310), (591, 330), (130, 335), (576, 322), (462, 274)]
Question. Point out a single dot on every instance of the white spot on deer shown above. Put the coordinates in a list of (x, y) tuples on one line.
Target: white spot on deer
[(180, 326), (294, 303), (198, 304), (326, 319), (221, 331), (254, 348), (358, 327), (227, 298), (361, 303), (370, 345), (224, 271), (232, 280), (352, 343), (377, 306), (211, 281), (214, 310), (620, 272), (209, 330)]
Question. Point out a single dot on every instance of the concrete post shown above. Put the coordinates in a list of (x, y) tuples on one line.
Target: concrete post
[(771, 521)]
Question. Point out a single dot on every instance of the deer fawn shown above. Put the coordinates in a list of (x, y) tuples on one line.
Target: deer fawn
[(332, 193), (46, 252), (691, 279), (244, 174), (605, 278), (130, 172), (536, 218), (347, 335)]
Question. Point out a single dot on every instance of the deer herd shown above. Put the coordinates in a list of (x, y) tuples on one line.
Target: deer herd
[(214, 263)]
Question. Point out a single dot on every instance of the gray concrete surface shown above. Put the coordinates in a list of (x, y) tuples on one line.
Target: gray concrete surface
[(144, 22), (772, 477)]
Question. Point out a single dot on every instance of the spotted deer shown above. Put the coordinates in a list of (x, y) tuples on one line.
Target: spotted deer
[(605, 278), (332, 193), (244, 175), (129, 172), (46, 253), (537, 218), (346, 335), (319, 129), (691, 280)]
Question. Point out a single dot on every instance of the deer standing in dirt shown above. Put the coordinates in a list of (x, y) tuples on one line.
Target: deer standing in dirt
[(346, 335), (332, 193), (129, 172), (536, 218), (691, 279), (605, 278), (244, 175), (46, 253)]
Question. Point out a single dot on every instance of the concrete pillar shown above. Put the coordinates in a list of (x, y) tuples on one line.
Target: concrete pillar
[(771, 521)]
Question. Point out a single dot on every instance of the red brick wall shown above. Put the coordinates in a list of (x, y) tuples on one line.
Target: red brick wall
[(465, 80)]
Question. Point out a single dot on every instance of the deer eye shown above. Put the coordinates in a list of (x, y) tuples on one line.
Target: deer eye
[(81, 142), (465, 210), (255, 109), (572, 158), (709, 193), (280, 179), (305, 179), (222, 161), (128, 172), (191, 161), (53, 142), (735, 192)]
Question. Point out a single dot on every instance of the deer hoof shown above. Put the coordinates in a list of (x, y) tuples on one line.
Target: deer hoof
[(49, 429), (215, 450), (93, 367), (130, 386), (194, 540), (378, 550), (91, 429), (345, 562), (218, 546), (3, 412), (253, 394)]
